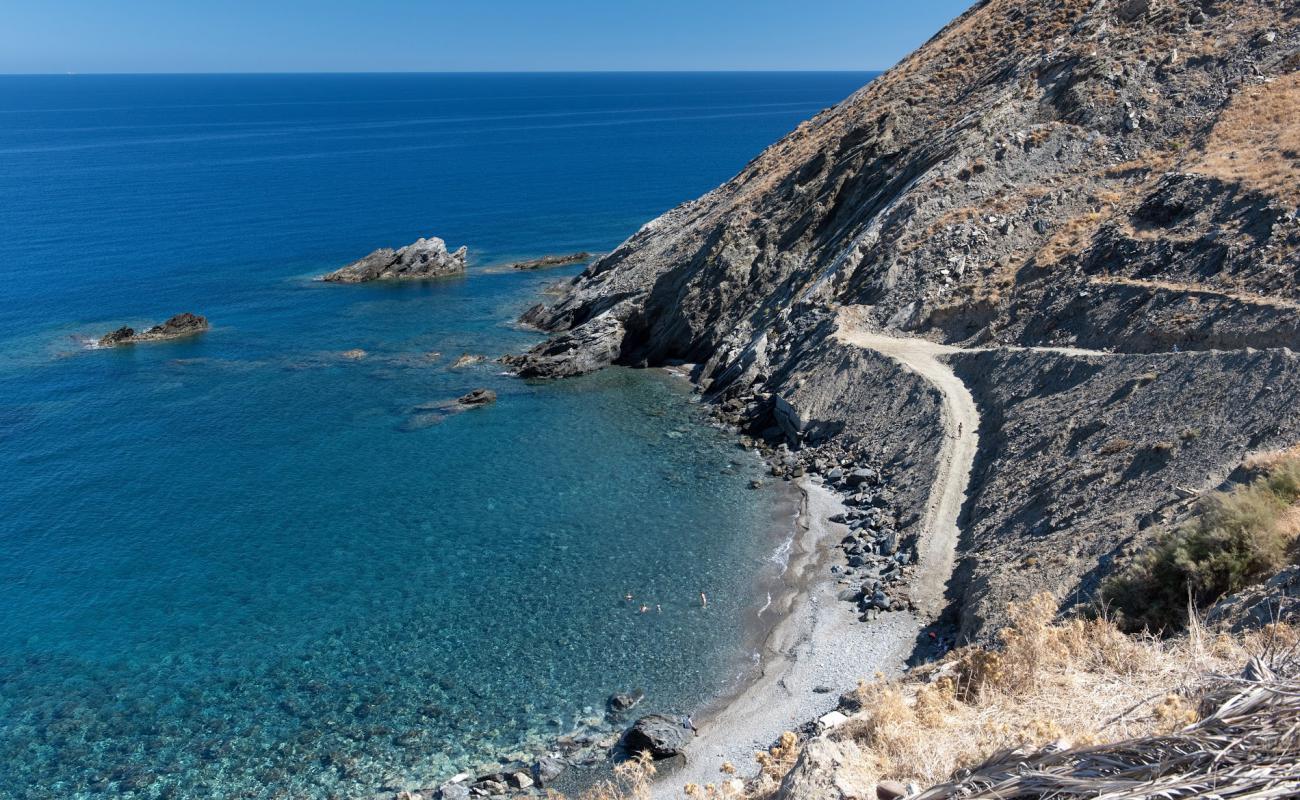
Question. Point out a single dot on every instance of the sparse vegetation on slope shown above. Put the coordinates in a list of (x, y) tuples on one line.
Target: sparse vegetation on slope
[(1233, 539), (1257, 140)]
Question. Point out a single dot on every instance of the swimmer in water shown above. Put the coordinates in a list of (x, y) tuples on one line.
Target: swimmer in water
[(704, 600)]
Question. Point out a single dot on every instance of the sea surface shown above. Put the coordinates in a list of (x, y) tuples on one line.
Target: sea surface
[(247, 565)]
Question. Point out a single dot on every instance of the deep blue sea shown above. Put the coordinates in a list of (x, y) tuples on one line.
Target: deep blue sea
[(244, 565)]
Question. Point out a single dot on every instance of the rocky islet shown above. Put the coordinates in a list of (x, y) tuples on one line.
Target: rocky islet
[(423, 259), (176, 327)]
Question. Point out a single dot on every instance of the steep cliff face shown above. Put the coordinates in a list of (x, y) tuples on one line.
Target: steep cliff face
[(1113, 175), (1038, 173)]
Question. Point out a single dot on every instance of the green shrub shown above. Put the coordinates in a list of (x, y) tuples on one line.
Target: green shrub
[(1234, 539)]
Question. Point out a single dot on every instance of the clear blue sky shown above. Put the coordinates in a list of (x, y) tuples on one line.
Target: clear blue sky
[(439, 35)]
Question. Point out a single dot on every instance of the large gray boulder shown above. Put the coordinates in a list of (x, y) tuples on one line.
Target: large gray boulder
[(828, 770), (663, 736), (423, 259)]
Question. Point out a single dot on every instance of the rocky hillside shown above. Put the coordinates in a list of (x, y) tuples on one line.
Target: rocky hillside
[(1116, 180)]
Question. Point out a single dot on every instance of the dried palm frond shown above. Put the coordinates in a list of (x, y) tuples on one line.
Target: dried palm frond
[(1246, 748)]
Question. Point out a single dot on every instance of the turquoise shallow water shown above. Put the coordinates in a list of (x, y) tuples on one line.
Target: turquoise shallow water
[(243, 565)]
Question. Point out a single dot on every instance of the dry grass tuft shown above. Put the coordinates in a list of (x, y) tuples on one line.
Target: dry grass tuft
[(1257, 140), (1269, 460), (631, 781), (773, 765), (778, 759)]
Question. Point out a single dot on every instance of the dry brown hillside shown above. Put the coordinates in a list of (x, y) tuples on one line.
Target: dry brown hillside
[(1094, 202)]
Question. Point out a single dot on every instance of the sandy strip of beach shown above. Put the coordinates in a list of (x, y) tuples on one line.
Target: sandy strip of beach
[(819, 642)]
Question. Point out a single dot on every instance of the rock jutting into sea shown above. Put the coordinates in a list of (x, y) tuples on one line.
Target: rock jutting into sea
[(181, 325), (421, 260), (554, 261)]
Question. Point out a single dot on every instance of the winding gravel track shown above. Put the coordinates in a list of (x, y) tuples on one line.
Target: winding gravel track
[(961, 421)]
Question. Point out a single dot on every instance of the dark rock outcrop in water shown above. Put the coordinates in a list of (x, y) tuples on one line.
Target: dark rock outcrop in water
[(426, 415), (423, 259), (478, 397), (179, 326), (1118, 179), (553, 261), (622, 702)]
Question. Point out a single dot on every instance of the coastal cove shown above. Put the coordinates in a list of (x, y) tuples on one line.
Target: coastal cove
[(250, 563), (924, 434)]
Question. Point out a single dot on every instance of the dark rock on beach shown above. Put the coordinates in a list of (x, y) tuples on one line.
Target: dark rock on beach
[(660, 735), (423, 259), (185, 324), (489, 787), (547, 769)]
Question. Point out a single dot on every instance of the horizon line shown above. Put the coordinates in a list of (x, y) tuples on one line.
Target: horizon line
[(74, 74)]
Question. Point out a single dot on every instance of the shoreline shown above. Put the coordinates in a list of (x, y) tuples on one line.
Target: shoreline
[(817, 641)]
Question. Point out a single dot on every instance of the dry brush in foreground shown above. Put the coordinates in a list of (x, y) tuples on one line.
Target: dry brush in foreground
[(1061, 709)]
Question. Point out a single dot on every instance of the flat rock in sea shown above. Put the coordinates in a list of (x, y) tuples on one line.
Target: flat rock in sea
[(423, 259), (185, 324), (425, 415), (553, 261)]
